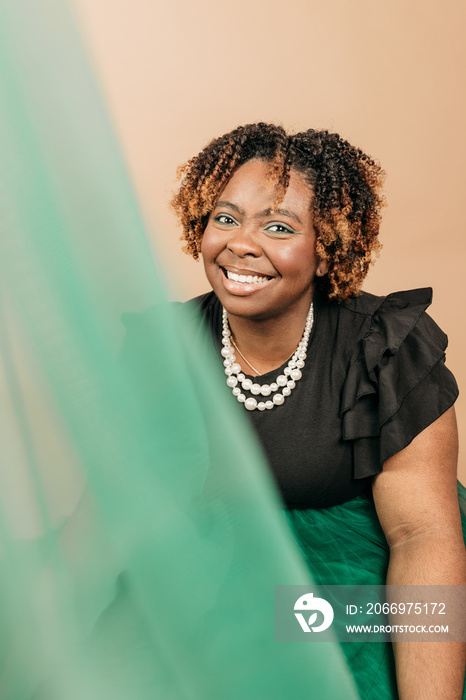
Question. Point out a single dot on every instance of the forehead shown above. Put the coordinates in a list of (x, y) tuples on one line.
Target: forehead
[(250, 188)]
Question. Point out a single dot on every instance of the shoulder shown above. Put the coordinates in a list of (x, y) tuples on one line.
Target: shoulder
[(397, 382), (205, 304), (189, 317), (398, 323), (371, 324), (382, 323), (202, 313), (202, 305), (410, 302), (400, 341)]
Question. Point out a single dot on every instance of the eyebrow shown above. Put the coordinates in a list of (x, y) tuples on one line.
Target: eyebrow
[(283, 212), (261, 214), (230, 205)]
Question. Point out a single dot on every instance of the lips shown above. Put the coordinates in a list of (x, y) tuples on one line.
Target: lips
[(244, 282)]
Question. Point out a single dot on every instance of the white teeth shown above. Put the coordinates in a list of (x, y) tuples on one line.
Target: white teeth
[(248, 279)]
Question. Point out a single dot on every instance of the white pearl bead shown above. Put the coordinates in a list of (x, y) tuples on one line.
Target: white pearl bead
[(250, 404), (227, 362), (278, 399), (228, 371), (232, 381), (281, 380), (265, 390), (241, 377), (300, 363), (261, 406), (225, 352), (236, 368), (269, 405), (241, 398), (286, 391), (273, 386), (256, 389), (236, 391), (291, 384), (247, 384), (296, 374), (302, 354), (286, 371)]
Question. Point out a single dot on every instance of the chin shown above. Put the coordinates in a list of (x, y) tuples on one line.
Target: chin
[(245, 308)]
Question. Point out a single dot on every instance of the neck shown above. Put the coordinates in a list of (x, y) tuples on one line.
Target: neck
[(268, 343)]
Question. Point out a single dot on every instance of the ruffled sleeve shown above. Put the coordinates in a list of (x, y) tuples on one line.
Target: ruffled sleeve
[(397, 383)]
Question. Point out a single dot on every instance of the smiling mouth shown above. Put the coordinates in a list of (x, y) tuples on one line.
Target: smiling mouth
[(245, 279)]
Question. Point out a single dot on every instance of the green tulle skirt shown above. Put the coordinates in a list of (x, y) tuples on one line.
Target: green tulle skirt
[(345, 545)]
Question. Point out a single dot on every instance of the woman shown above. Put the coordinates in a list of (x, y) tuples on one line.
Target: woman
[(347, 392)]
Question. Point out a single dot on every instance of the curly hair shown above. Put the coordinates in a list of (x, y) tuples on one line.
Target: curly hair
[(346, 184)]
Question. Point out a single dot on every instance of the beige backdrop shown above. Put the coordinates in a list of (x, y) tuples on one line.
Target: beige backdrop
[(388, 75)]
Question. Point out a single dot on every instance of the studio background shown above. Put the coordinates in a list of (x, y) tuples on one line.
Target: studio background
[(388, 76)]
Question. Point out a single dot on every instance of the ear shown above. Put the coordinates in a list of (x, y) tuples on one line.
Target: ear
[(322, 268)]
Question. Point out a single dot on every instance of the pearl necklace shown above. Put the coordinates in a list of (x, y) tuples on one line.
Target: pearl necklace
[(286, 381)]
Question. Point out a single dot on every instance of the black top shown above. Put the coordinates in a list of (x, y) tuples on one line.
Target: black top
[(374, 378)]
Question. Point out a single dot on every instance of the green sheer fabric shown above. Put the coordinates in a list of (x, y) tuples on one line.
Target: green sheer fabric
[(140, 534)]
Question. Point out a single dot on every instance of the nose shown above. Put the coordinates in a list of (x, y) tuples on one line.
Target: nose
[(243, 242)]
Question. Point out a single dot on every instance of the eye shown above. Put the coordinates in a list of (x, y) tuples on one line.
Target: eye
[(279, 228), (225, 220)]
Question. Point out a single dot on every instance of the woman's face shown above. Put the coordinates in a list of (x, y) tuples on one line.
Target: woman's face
[(261, 264)]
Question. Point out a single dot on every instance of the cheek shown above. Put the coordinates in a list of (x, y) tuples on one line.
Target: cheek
[(297, 261), (209, 245)]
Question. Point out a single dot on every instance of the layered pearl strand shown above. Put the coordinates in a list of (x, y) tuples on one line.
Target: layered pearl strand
[(283, 384)]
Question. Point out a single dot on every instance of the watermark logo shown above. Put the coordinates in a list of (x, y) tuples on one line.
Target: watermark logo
[(371, 613), (310, 603)]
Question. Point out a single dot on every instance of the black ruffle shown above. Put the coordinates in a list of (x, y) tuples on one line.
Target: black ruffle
[(397, 383)]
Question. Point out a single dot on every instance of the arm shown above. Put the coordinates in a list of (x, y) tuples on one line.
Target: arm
[(417, 505)]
